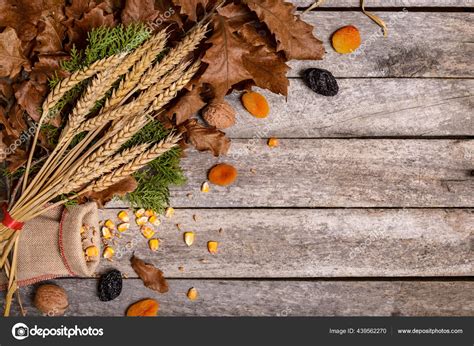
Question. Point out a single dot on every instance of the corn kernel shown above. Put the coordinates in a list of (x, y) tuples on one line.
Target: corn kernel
[(189, 238), (109, 224), (273, 142), (154, 220), (205, 187), (92, 251), (139, 212), (147, 232), (149, 212), (212, 247), (192, 293), (106, 234), (108, 252), (141, 220), (83, 229), (169, 212), (123, 227), (123, 216), (154, 244)]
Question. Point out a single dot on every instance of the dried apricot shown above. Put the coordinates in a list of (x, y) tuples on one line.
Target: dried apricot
[(222, 174), (346, 39), (256, 104), (145, 307)]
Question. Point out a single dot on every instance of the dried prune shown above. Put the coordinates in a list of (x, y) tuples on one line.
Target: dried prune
[(321, 81), (110, 285)]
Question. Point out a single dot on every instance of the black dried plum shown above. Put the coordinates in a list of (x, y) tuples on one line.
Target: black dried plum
[(110, 285), (321, 81)]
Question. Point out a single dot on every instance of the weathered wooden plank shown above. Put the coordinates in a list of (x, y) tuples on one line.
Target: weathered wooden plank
[(387, 3), (364, 107), (277, 298), (307, 243), (336, 173), (419, 44)]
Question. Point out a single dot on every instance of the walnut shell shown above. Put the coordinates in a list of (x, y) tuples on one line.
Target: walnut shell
[(219, 114), (51, 300)]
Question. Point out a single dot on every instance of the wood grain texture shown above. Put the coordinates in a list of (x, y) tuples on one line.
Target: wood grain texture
[(277, 298), (307, 243), (387, 3), (364, 107), (336, 173), (419, 44)]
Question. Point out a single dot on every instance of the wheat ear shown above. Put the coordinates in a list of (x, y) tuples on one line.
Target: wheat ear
[(141, 102), (85, 176), (77, 77), (139, 162), (156, 45), (174, 57)]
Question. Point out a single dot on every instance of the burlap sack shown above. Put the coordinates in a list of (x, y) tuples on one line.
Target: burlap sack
[(51, 245)]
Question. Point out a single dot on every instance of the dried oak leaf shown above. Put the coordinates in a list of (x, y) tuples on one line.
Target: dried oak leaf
[(29, 95), (17, 159), (190, 7), (51, 33), (23, 15), (78, 25), (151, 276), (186, 106), (224, 58), (11, 55), (139, 11), (294, 36), (123, 187), (205, 138), (268, 69), (13, 121)]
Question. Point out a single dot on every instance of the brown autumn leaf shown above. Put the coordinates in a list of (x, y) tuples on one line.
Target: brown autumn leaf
[(16, 159), (186, 106), (123, 187), (224, 58), (11, 55), (23, 15), (268, 69), (29, 95), (205, 138), (3, 148), (151, 276), (51, 33), (78, 25), (139, 11), (293, 35), (190, 7), (13, 120)]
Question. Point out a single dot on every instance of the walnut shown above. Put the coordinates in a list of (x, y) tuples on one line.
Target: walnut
[(219, 114)]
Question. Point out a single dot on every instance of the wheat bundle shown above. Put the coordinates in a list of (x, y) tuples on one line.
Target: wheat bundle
[(133, 85)]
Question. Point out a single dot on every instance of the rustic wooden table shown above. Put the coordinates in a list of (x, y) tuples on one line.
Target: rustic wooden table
[(366, 208)]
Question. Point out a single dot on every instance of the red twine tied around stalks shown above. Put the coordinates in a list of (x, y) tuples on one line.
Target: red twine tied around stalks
[(8, 221)]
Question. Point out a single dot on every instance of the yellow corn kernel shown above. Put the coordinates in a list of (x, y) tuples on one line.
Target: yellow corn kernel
[(273, 142), (149, 212), (192, 293), (189, 238), (154, 244), (154, 220), (92, 251), (106, 234), (108, 252), (109, 224), (141, 221), (169, 212), (147, 232), (83, 229), (123, 227), (123, 216), (212, 247), (140, 212), (205, 187)]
